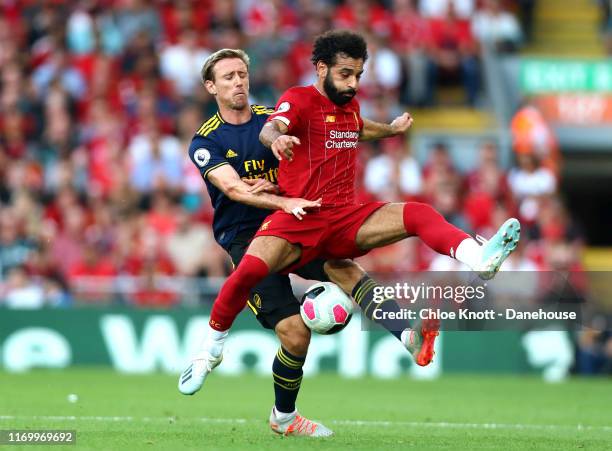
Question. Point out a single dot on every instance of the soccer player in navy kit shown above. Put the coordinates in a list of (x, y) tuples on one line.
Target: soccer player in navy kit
[(240, 173)]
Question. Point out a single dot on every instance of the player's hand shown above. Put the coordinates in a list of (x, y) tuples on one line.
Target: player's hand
[(297, 206), (283, 145), (401, 124), (261, 185)]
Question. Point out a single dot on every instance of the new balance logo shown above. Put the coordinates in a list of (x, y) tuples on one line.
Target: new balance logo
[(330, 118), (265, 225), (231, 154)]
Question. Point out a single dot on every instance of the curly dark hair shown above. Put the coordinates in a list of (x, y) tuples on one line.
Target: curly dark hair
[(338, 42)]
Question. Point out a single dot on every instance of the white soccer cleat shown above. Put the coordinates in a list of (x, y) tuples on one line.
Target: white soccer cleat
[(297, 425), (496, 250), (193, 377)]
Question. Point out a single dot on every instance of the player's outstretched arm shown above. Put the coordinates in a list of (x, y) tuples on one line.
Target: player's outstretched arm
[(376, 130), (227, 180), (273, 135)]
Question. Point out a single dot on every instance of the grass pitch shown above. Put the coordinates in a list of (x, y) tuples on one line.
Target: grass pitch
[(455, 412)]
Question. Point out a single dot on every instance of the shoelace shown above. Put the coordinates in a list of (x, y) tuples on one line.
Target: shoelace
[(482, 240), (208, 360), (302, 425)]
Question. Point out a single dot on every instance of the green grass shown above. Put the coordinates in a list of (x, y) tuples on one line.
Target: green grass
[(454, 412)]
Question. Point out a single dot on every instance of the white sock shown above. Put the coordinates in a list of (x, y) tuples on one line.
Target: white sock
[(283, 416), (469, 252), (214, 341)]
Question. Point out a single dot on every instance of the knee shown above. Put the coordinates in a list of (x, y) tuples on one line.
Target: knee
[(250, 271), (294, 335), (416, 214), (344, 273)]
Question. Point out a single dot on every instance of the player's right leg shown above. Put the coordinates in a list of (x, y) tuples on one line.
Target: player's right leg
[(265, 254), (394, 222)]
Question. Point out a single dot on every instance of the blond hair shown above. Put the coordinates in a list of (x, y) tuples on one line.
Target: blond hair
[(209, 64)]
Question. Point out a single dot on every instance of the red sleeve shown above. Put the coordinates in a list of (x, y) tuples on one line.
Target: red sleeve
[(288, 109)]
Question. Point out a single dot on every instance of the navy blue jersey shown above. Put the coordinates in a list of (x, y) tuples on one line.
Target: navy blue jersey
[(217, 143)]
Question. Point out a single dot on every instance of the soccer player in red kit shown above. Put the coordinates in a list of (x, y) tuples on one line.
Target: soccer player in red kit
[(314, 132)]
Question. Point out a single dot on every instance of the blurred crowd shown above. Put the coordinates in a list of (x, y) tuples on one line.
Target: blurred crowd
[(100, 98)]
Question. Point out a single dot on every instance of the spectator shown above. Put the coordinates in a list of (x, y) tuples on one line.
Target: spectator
[(454, 55), (383, 69), (380, 177), (14, 131), (410, 177), (528, 182), (363, 16), (193, 250), (15, 248), (439, 170), (80, 30), (59, 67), (67, 246), (487, 188), (496, 28), (21, 292), (152, 292), (181, 62), (439, 8), (156, 160), (135, 16), (299, 53), (411, 39), (162, 216), (532, 134), (265, 15), (92, 276)]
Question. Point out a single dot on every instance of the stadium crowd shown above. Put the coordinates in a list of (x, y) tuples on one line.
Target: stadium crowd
[(99, 100)]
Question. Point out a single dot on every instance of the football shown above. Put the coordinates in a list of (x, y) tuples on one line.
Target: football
[(325, 308)]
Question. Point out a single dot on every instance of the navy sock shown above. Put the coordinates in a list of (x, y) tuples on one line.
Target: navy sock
[(363, 293), (287, 373)]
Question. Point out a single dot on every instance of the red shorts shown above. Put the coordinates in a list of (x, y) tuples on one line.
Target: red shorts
[(327, 233)]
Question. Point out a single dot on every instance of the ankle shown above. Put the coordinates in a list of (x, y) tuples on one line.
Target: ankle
[(214, 342), (284, 416), (469, 252)]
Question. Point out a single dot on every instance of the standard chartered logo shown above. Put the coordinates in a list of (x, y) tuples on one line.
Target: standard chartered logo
[(342, 139)]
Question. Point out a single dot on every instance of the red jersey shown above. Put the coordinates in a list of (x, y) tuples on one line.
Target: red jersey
[(324, 163)]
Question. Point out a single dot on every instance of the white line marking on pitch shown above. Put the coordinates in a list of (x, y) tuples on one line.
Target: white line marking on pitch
[(382, 423)]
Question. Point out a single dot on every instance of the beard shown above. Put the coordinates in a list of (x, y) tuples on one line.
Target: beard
[(335, 95)]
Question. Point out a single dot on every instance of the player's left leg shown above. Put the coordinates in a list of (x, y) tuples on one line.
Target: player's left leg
[(394, 222), (417, 338), (287, 374)]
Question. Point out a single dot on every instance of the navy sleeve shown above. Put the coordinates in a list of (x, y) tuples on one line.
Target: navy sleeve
[(206, 154)]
